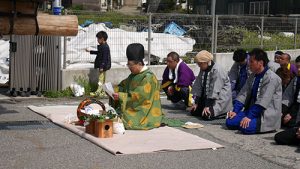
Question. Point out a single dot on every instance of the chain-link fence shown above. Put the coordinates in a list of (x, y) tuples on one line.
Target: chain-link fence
[(191, 33), (182, 33), (120, 32), (269, 33)]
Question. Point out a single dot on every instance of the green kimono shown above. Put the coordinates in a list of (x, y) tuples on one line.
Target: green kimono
[(139, 101)]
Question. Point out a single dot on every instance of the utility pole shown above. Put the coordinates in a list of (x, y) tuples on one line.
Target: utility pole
[(213, 7), (188, 6)]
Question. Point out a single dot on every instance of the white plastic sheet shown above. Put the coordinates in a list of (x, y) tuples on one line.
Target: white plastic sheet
[(119, 39), (4, 61)]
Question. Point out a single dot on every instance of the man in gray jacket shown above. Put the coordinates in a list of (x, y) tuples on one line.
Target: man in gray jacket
[(257, 108), (212, 89)]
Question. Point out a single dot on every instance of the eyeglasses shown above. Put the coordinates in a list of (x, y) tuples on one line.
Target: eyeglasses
[(130, 65)]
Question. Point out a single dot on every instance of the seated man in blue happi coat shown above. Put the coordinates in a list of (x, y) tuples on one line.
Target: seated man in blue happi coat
[(239, 71), (257, 108), (177, 80)]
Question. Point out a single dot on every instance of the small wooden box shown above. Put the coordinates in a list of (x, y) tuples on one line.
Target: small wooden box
[(90, 128), (104, 129)]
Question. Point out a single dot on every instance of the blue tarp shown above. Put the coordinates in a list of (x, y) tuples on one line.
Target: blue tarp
[(88, 22), (174, 29)]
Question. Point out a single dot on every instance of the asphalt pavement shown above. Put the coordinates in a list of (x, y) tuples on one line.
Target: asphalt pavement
[(28, 140)]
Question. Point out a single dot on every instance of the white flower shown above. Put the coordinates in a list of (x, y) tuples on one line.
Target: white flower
[(86, 123), (110, 109)]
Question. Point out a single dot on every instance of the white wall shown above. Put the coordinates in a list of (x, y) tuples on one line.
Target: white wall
[(115, 75), (225, 59)]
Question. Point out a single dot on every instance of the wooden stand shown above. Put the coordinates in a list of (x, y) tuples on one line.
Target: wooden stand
[(63, 25), (25, 24), (104, 129), (90, 129)]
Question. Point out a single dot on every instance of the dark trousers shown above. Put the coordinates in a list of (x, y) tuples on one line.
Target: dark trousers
[(287, 137), (199, 110), (293, 112), (182, 94)]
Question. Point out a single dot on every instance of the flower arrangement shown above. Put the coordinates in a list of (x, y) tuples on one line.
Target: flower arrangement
[(109, 114)]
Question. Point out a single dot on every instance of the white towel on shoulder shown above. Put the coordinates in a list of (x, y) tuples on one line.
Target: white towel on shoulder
[(176, 72)]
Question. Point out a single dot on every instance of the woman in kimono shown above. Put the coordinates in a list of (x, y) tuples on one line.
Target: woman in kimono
[(212, 89), (138, 96), (257, 108)]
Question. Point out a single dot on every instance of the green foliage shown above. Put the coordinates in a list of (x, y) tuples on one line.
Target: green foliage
[(55, 94), (52, 94), (105, 116), (67, 92), (181, 11), (231, 39), (250, 40), (84, 82), (186, 59), (114, 17), (277, 41), (167, 5), (76, 7), (110, 115)]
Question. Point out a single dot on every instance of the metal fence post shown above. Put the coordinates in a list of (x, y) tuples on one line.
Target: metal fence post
[(65, 49), (213, 34), (11, 78), (262, 33), (213, 14), (149, 38), (216, 34), (295, 35), (65, 53)]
